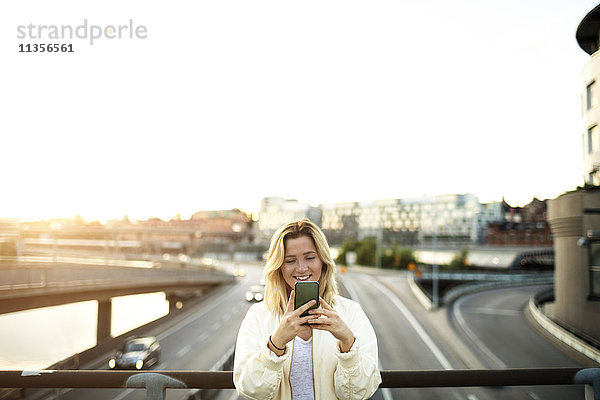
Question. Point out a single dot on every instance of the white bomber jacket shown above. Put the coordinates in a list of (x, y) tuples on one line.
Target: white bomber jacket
[(259, 374)]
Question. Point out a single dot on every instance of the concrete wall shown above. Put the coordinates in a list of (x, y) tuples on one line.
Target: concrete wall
[(570, 217)]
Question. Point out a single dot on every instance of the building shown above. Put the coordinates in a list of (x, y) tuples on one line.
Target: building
[(9, 230), (232, 225), (276, 211), (456, 219), (587, 38), (340, 222), (452, 220), (574, 217), (575, 222), (521, 226), (201, 233)]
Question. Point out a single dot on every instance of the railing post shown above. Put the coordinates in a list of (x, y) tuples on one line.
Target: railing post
[(155, 384), (591, 378)]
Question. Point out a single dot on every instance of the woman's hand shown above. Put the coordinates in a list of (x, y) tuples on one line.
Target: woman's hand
[(290, 325), (327, 319)]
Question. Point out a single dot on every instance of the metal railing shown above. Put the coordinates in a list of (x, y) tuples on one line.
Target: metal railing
[(157, 383)]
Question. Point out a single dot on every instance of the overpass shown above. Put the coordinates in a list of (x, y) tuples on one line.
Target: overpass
[(490, 257), (30, 282)]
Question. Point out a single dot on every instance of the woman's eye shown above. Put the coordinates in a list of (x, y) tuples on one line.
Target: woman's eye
[(310, 258), (289, 261)]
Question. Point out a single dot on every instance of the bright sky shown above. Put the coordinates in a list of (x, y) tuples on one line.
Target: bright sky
[(225, 102)]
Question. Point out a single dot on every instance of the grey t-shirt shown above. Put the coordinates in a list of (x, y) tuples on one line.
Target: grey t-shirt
[(301, 370)]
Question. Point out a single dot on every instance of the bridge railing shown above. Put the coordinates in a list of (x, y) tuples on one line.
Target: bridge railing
[(156, 384)]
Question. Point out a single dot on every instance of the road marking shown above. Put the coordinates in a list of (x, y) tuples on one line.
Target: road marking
[(215, 302), (216, 326), (226, 317), (385, 392), (234, 396), (463, 324), (350, 288), (184, 351), (534, 396), (202, 337), (217, 366), (123, 394), (492, 311), (457, 395), (472, 397), (414, 323)]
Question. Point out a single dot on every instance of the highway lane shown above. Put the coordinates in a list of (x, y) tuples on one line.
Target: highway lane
[(405, 341), (495, 323)]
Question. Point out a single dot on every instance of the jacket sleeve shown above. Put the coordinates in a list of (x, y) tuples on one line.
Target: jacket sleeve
[(357, 374), (257, 371)]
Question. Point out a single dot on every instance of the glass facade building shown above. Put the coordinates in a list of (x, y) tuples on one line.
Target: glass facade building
[(457, 219)]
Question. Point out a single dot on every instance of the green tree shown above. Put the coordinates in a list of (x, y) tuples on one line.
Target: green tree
[(403, 257), (459, 261), (348, 245), (365, 251), (394, 257), (388, 257)]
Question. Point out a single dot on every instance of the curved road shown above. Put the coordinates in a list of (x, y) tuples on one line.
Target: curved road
[(495, 323), (483, 330)]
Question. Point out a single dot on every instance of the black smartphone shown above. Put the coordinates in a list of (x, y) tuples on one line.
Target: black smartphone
[(305, 292)]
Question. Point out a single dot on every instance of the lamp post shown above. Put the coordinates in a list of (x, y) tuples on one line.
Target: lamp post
[(378, 246), (435, 295)]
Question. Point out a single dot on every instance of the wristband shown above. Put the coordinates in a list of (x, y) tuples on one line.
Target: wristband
[(273, 344)]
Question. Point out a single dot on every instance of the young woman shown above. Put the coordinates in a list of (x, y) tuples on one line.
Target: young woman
[(278, 356)]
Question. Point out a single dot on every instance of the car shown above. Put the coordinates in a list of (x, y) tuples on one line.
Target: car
[(137, 353), (239, 272), (255, 293), (184, 258)]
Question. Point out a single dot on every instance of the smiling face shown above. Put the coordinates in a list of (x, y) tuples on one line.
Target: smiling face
[(301, 261)]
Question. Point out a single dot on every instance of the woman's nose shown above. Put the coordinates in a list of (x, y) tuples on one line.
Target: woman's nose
[(302, 266)]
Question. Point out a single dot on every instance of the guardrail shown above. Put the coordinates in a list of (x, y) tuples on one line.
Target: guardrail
[(156, 384), (485, 276)]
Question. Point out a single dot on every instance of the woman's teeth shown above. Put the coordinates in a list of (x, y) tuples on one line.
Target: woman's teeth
[(303, 278)]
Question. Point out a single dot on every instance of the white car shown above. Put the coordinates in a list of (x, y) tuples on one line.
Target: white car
[(255, 293)]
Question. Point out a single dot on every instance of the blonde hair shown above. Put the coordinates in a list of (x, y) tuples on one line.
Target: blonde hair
[(276, 289)]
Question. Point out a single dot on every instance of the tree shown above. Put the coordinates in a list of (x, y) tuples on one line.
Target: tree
[(459, 260), (348, 245), (392, 257), (365, 252)]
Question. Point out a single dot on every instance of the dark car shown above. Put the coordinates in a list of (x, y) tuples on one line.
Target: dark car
[(137, 353)]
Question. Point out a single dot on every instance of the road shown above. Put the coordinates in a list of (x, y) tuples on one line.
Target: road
[(483, 330), (495, 323)]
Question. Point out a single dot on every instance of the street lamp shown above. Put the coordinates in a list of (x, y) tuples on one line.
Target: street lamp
[(378, 246), (435, 295)]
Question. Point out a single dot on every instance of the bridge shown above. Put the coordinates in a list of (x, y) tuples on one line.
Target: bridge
[(34, 282), (492, 257)]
